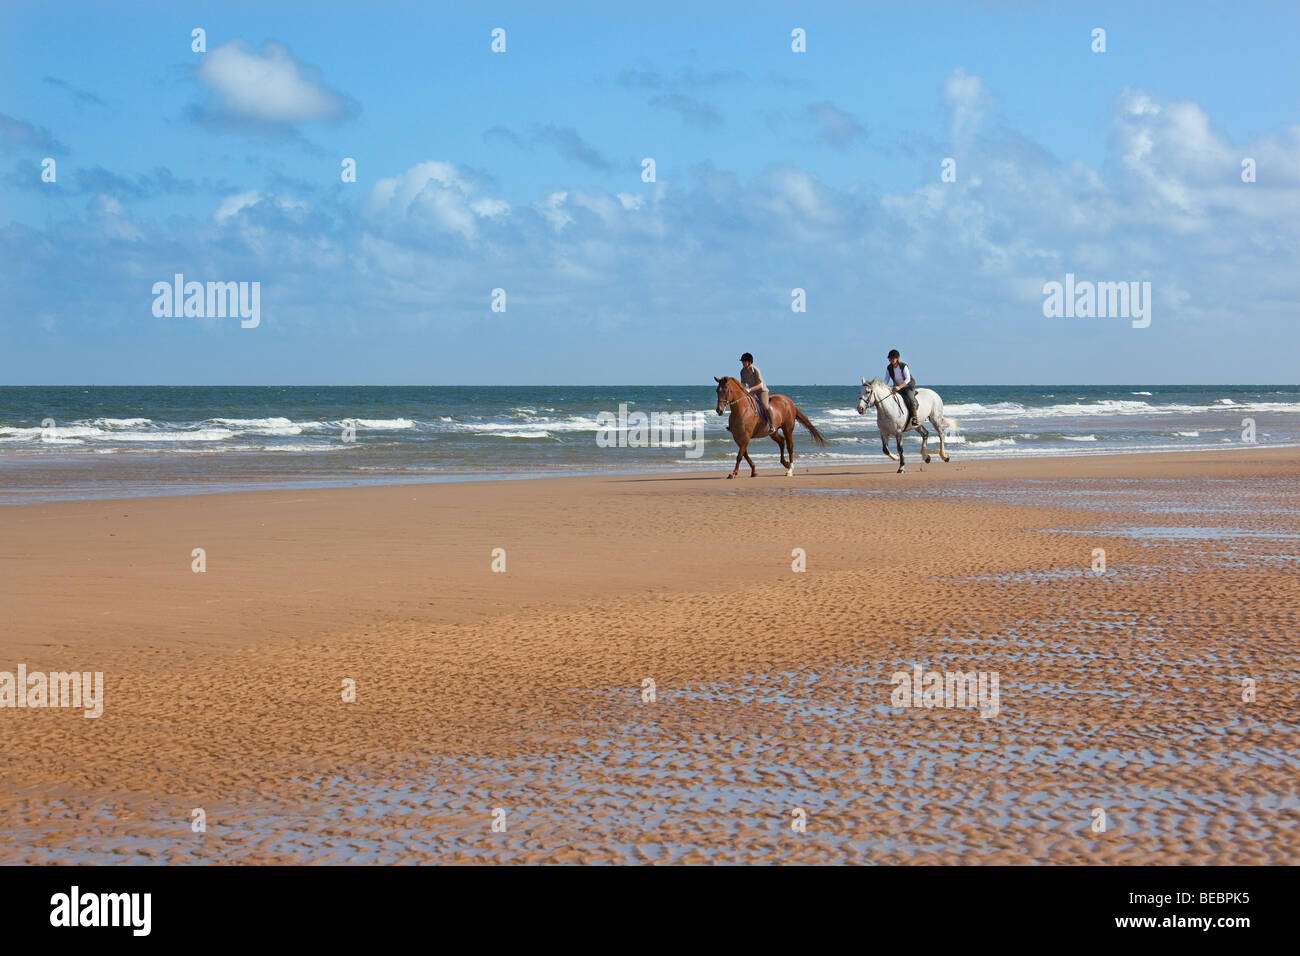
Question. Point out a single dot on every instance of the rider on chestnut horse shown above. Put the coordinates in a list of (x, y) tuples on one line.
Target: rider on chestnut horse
[(752, 379), (739, 399)]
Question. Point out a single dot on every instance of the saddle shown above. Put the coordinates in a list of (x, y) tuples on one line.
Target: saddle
[(757, 406)]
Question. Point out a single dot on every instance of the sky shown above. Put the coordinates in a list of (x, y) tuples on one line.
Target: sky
[(522, 170)]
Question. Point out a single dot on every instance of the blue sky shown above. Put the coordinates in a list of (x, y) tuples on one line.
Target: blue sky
[(775, 170)]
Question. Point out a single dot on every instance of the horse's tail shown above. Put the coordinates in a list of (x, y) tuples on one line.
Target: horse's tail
[(949, 424), (802, 419)]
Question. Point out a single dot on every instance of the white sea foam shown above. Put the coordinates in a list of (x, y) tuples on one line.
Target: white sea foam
[(967, 409), (1080, 437), (384, 423), (261, 426), (198, 434), (322, 446), (56, 434), (120, 422), (573, 424)]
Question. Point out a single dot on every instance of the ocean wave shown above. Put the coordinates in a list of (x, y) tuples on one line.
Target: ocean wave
[(572, 424), (321, 446), (381, 423), (259, 426), (198, 434), (57, 434), (967, 409), (1080, 437), (992, 443), (112, 423), (1106, 407)]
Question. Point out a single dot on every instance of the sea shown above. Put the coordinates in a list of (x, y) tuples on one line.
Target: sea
[(81, 442)]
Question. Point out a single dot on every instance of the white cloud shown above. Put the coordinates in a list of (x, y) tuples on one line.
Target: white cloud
[(268, 87), (435, 194), (232, 204), (968, 98), (553, 211)]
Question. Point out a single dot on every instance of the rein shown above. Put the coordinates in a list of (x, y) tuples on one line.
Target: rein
[(876, 400), (744, 395)]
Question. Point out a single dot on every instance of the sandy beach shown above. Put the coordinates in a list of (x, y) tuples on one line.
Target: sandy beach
[(521, 698)]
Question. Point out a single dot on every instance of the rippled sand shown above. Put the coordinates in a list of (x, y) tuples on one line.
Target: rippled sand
[(1120, 691)]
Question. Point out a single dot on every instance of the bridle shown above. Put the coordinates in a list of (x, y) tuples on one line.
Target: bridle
[(875, 400), (743, 396)]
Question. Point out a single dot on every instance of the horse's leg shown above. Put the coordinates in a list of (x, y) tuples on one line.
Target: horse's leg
[(789, 440), (898, 440), (753, 472), (735, 471), (884, 446), (781, 437), (925, 455), (936, 419)]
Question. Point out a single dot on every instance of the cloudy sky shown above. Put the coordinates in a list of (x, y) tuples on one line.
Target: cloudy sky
[(522, 170)]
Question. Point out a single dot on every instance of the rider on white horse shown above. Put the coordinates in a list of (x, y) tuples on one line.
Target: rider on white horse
[(899, 377)]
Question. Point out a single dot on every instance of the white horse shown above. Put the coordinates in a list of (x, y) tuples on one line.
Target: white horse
[(892, 418)]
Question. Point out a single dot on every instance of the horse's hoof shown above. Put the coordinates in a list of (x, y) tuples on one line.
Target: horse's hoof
[(927, 459), (789, 472), (729, 477)]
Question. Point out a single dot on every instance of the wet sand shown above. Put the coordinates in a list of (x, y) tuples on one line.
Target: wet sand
[(1120, 691)]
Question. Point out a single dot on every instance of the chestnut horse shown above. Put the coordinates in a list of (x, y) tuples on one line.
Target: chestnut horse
[(747, 423)]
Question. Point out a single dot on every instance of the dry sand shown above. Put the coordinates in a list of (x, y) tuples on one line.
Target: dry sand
[(522, 690)]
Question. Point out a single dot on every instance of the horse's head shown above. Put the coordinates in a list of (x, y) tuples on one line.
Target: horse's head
[(869, 395), (725, 392)]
